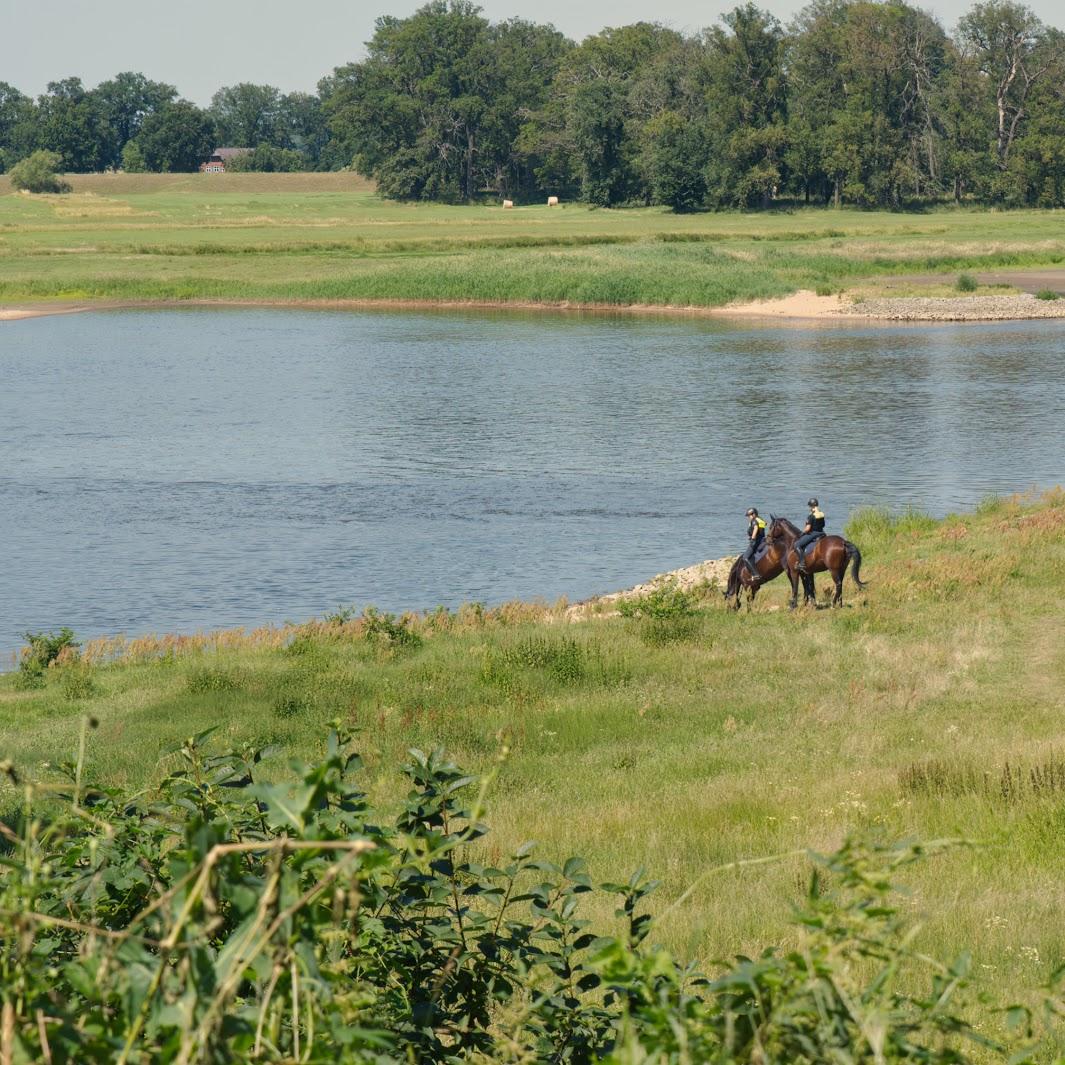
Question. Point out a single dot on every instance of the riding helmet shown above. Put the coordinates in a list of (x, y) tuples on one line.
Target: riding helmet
[(812, 503), (752, 512)]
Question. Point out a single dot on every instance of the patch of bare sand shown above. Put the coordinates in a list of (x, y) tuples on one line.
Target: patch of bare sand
[(802, 304), (14, 314)]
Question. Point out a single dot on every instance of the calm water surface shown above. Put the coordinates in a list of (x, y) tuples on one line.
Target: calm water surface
[(175, 471)]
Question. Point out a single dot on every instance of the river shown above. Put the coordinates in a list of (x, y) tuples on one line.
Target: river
[(174, 471)]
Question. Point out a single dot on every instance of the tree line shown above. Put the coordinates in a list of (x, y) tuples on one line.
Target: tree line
[(864, 102)]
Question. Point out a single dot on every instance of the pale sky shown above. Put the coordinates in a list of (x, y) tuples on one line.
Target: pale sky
[(201, 45)]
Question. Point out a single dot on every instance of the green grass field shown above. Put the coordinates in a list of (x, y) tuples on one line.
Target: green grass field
[(328, 237), (930, 705)]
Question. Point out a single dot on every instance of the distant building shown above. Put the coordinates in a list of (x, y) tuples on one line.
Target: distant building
[(219, 157)]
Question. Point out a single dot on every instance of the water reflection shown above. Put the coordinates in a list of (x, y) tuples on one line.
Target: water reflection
[(172, 471)]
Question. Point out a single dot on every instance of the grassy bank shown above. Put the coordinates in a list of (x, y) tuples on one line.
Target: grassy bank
[(930, 705), (327, 236)]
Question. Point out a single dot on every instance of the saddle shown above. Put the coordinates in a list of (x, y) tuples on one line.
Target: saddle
[(812, 543)]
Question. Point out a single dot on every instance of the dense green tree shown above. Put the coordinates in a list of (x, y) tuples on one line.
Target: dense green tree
[(125, 101), (246, 115), (589, 132), (302, 127), (410, 112), (434, 110), (864, 102), (523, 58), (72, 122), (269, 159), (965, 111), (176, 138), (675, 145), (862, 87), (747, 108), (18, 132), (133, 158), (1016, 54)]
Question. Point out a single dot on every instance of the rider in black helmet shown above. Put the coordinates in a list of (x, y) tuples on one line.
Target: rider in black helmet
[(815, 529), (755, 536)]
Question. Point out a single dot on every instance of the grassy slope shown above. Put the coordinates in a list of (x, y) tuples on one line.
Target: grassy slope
[(327, 236), (754, 735)]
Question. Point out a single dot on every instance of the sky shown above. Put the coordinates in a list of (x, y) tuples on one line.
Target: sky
[(201, 45)]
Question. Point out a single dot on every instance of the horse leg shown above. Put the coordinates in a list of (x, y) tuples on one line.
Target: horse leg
[(809, 590), (837, 576), (793, 577)]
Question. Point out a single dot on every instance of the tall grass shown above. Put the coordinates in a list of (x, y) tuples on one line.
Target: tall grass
[(307, 237), (738, 737)]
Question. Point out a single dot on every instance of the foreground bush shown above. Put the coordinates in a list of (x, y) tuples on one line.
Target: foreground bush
[(37, 173), (224, 918)]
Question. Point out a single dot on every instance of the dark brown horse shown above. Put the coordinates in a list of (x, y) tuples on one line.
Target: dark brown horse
[(769, 566), (831, 554)]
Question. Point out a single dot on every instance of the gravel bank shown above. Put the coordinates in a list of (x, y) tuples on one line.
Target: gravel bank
[(956, 308)]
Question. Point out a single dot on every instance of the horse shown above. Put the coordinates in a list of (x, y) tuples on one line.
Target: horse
[(769, 567), (830, 554)]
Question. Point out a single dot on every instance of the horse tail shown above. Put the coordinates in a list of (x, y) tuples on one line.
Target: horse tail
[(854, 557), (733, 587)]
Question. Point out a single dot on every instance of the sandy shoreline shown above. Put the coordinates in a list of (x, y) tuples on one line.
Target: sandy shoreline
[(803, 305)]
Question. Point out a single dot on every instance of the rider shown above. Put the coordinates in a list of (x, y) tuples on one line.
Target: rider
[(755, 536), (815, 529)]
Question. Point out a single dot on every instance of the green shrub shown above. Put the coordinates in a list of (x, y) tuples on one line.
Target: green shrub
[(562, 658), (966, 283), (224, 917), (666, 601), (41, 650), (1047, 294), (77, 681), (133, 158), (388, 630), (37, 173)]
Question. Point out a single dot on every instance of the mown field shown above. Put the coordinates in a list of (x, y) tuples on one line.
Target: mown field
[(328, 237), (930, 705)]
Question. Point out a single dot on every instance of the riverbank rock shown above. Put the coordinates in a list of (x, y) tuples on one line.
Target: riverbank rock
[(713, 572), (956, 308)]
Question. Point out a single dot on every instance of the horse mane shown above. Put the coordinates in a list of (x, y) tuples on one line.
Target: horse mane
[(788, 525)]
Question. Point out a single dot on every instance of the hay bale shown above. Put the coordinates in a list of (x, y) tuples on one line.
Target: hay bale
[(552, 201), (508, 204)]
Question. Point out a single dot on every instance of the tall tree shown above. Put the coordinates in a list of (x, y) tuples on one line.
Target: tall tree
[(588, 133), (862, 79), (302, 127), (434, 109), (176, 138), (1011, 48), (747, 107), (247, 115), (71, 121), (18, 130), (125, 101)]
